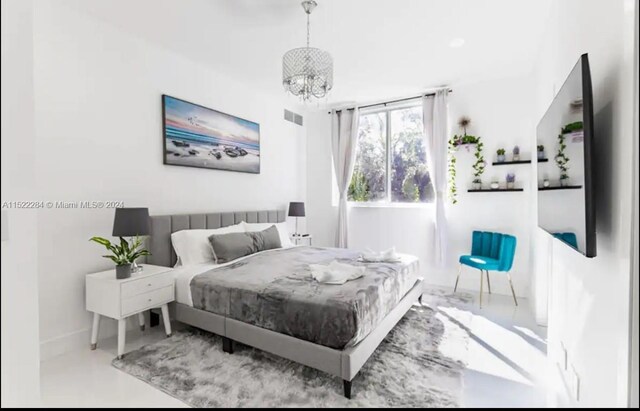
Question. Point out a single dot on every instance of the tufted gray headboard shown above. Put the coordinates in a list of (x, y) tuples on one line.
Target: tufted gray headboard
[(159, 242)]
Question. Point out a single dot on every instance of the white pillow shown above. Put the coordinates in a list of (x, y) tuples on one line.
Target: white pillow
[(192, 246), (283, 231)]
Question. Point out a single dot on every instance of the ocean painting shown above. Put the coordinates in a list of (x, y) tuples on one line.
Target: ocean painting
[(196, 136)]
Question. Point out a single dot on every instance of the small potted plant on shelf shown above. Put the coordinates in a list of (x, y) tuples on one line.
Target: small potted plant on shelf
[(123, 255), (564, 180), (501, 157), (511, 180), (541, 152), (516, 153), (476, 184)]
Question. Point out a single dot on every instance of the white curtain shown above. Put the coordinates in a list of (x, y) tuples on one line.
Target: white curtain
[(344, 137), (436, 132)]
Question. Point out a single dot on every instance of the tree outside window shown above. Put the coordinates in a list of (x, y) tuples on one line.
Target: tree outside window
[(391, 160)]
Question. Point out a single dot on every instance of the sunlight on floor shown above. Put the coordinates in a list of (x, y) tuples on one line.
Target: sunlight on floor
[(507, 361)]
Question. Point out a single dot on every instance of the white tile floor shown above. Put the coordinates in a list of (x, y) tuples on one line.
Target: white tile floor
[(507, 368)]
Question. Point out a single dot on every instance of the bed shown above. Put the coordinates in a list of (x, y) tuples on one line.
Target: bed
[(268, 300)]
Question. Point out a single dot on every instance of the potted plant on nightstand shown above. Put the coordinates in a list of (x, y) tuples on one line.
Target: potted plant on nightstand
[(501, 157), (123, 255)]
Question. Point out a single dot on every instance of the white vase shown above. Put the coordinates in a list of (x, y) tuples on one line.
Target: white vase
[(501, 158), (510, 185), (495, 185), (516, 157), (546, 183), (477, 186)]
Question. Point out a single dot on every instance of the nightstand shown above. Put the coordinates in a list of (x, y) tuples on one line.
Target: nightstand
[(298, 239), (119, 299)]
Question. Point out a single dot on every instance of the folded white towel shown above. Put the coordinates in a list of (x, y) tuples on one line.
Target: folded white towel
[(335, 272), (386, 256)]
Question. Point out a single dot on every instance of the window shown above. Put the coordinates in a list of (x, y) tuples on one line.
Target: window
[(391, 159)]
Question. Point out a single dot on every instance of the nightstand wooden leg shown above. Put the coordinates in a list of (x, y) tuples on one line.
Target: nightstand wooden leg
[(122, 335), (141, 321), (94, 331), (166, 320)]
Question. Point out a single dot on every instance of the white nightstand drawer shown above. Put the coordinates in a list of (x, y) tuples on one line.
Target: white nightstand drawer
[(148, 300), (144, 285)]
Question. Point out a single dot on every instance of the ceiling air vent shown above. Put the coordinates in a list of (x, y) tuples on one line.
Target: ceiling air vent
[(292, 117)]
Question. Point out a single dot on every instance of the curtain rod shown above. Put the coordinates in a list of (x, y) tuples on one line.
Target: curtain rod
[(393, 101)]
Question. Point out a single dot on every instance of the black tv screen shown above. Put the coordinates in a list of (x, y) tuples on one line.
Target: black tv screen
[(566, 207)]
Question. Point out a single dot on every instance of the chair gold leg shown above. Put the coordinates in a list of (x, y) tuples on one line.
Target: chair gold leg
[(481, 287), (488, 282), (515, 300), (457, 278)]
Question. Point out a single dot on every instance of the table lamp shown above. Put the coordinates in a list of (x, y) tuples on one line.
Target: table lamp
[(131, 222), (296, 209)]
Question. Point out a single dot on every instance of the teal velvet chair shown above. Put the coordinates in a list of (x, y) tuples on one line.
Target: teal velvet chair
[(490, 252)]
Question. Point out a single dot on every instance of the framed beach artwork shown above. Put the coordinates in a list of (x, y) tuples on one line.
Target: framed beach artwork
[(197, 136)]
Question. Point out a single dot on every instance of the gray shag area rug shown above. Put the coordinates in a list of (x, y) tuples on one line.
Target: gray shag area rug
[(419, 364)]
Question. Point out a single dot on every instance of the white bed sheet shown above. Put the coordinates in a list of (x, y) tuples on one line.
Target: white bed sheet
[(183, 276)]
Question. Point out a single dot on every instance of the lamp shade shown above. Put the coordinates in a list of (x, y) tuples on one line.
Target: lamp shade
[(131, 222), (296, 209)]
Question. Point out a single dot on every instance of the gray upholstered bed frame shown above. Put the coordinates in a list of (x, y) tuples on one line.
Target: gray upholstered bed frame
[(344, 364)]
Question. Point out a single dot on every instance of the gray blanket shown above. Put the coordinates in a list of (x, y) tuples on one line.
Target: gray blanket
[(274, 290)]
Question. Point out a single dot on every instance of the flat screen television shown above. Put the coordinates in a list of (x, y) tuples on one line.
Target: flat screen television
[(566, 207)]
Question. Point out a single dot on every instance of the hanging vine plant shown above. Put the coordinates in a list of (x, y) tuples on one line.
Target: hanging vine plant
[(454, 143), (453, 191), (562, 160), (480, 164)]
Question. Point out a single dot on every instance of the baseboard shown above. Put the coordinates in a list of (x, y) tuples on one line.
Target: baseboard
[(64, 344), (80, 340)]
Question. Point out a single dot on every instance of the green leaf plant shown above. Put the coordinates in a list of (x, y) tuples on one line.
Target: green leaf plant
[(453, 191), (561, 158), (124, 253), (480, 164)]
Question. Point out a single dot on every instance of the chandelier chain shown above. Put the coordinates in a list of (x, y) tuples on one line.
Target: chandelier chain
[(308, 29)]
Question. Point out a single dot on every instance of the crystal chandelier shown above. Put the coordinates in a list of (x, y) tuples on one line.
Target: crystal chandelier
[(307, 71)]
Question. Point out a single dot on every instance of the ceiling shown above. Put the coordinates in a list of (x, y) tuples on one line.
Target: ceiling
[(381, 48)]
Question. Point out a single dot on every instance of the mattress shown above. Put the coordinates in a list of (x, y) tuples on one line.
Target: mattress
[(274, 290)]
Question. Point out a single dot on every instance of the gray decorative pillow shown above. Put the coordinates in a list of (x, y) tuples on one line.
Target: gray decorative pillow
[(267, 239), (228, 247)]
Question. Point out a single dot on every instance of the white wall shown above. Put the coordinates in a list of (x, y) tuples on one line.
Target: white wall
[(20, 348), (99, 137), (500, 111), (589, 298), (634, 371)]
